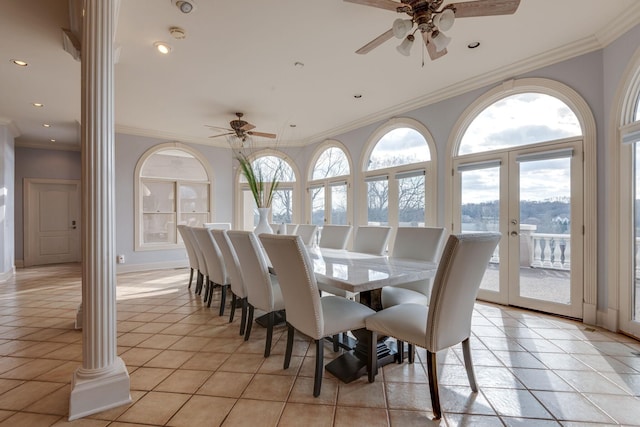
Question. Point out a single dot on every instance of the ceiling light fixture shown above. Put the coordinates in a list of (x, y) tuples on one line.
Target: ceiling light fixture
[(19, 62), (405, 47), (357, 96), (177, 33), (37, 104), (52, 140), (473, 45), (47, 125), (162, 47), (185, 6), (440, 40)]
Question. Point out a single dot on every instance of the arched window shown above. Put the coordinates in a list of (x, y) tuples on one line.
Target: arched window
[(329, 184), (399, 176), (517, 120), (269, 164), (173, 186)]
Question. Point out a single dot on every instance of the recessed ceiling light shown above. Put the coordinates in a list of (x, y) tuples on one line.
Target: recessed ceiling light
[(52, 140), (185, 6), (357, 96), (19, 62), (47, 125), (473, 45), (162, 47), (298, 64), (292, 125), (37, 104)]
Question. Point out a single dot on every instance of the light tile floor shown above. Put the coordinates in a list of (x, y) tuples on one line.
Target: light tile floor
[(190, 367)]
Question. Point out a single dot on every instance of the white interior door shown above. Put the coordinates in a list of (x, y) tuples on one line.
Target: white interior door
[(51, 221), (533, 196)]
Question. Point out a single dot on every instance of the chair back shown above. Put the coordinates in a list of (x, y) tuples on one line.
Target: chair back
[(202, 265), (230, 261), (216, 270), (420, 243), (218, 225), (254, 269), (297, 282), (335, 236), (460, 271), (188, 245), (291, 228), (307, 233), (371, 239)]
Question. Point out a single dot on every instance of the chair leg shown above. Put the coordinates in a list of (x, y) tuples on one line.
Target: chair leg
[(287, 354), (247, 334), (210, 293), (233, 307), (317, 381), (199, 281), (336, 344), (432, 371), (412, 352), (190, 278), (271, 319), (223, 298), (243, 321), (372, 356), (400, 346), (468, 364)]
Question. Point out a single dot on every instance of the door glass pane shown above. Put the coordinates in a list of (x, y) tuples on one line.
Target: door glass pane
[(378, 202), (411, 201), (281, 206), (480, 211), (545, 230), (339, 204), (317, 205), (636, 287)]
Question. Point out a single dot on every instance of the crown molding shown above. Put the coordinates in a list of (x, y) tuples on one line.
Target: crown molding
[(620, 25), (47, 146), (11, 125)]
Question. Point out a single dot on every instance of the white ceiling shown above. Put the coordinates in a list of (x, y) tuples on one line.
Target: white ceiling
[(239, 56)]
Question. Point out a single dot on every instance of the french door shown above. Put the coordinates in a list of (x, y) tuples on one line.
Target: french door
[(533, 196)]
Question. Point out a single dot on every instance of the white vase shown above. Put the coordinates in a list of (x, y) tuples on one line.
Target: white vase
[(263, 223)]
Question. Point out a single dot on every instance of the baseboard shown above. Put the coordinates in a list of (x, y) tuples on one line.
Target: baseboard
[(589, 314), (609, 319), (5, 276), (19, 263), (132, 268)]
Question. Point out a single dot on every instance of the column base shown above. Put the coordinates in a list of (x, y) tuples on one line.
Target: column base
[(92, 394)]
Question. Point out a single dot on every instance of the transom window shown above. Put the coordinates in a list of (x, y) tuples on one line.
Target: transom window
[(517, 120), (173, 188)]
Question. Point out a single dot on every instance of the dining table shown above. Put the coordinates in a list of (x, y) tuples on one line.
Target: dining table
[(364, 275)]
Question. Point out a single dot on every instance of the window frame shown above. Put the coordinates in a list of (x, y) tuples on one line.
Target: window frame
[(139, 244)]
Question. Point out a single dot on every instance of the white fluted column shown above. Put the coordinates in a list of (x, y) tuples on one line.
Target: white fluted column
[(102, 382)]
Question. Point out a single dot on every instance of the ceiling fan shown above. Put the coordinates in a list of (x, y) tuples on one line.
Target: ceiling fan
[(431, 20), (241, 129)]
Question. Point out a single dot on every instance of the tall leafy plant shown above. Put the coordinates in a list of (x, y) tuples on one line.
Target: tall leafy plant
[(261, 192)]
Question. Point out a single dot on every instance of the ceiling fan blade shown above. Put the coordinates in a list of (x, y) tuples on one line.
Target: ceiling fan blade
[(218, 127), (222, 134), (382, 4), (247, 127), (485, 8), (262, 134), (431, 47), (375, 42)]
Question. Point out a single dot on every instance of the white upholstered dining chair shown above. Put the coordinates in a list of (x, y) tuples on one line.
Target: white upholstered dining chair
[(185, 234), (446, 321), (238, 290), (263, 290), (334, 236), (216, 270), (316, 317), (371, 239), (307, 233), (418, 243)]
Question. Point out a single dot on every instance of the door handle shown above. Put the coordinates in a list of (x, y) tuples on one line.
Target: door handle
[(514, 233)]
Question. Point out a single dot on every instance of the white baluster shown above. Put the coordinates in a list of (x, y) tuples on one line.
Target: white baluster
[(567, 254), (557, 253), (536, 252), (546, 261)]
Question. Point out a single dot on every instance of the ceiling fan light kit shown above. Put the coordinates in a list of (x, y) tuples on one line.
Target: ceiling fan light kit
[(431, 19), (240, 130)]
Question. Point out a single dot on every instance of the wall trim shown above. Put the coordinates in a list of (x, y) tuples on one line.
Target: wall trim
[(163, 265), (5, 276)]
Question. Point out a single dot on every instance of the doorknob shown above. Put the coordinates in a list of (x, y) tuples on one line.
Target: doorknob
[(514, 233)]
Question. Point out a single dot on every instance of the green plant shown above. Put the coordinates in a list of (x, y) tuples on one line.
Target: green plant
[(262, 193)]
